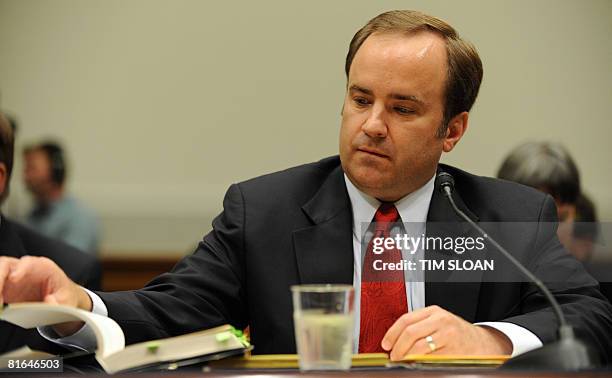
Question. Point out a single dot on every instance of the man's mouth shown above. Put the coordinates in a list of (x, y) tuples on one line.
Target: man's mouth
[(373, 151)]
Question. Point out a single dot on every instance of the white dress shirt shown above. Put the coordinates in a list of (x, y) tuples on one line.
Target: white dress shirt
[(413, 210)]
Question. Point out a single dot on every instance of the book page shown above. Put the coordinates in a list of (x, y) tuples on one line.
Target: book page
[(192, 345), (109, 337)]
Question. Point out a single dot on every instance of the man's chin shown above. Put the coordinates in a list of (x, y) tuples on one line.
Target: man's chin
[(368, 180)]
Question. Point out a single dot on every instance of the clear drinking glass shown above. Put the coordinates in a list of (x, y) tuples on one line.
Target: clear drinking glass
[(324, 319)]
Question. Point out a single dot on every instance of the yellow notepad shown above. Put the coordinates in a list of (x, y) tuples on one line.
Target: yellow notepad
[(455, 360), (290, 361)]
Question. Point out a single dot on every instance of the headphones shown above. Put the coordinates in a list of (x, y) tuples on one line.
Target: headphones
[(55, 153)]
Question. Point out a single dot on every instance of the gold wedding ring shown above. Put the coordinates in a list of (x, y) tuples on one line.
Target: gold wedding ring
[(431, 343)]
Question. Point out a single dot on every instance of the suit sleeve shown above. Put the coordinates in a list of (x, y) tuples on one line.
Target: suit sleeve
[(203, 290), (576, 291)]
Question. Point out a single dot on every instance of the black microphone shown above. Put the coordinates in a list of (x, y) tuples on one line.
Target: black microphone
[(568, 353)]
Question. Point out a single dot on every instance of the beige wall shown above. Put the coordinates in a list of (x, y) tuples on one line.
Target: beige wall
[(163, 104)]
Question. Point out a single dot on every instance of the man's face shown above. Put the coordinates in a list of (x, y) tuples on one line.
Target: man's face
[(37, 172), (393, 108)]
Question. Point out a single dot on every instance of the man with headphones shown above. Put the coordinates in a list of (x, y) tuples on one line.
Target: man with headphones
[(57, 214)]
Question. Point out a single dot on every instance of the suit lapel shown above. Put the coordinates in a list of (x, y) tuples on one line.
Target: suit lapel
[(324, 251), (455, 291)]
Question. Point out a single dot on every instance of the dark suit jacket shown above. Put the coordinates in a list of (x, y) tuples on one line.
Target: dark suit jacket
[(294, 227), (16, 241)]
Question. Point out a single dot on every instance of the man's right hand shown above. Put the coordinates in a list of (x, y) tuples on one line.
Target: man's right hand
[(38, 279)]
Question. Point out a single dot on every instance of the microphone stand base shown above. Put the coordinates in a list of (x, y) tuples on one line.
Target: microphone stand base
[(569, 354)]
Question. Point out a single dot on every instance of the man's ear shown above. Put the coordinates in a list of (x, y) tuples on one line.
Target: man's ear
[(456, 128), (3, 178)]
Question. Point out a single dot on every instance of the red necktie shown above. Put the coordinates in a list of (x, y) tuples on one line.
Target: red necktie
[(383, 293)]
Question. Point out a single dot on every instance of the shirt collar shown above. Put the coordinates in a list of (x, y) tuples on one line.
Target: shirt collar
[(412, 207)]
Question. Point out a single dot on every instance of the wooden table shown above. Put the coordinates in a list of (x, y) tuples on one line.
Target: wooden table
[(360, 373), (373, 373)]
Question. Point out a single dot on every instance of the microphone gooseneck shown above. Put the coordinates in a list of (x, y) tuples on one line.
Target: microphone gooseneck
[(568, 353), (447, 185)]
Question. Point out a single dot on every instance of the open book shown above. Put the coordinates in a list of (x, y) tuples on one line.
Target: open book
[(111, 352)]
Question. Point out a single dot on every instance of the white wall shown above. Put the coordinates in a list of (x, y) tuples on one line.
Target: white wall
[(162, 104)]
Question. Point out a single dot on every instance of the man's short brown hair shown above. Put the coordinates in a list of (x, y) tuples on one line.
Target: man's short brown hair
[(7, 142), (464, 65)]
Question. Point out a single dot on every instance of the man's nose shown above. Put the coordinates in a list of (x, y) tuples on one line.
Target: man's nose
[(375, 125)]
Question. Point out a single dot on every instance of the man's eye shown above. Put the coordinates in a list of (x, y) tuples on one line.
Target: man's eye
[(361, 101), (402, 110)]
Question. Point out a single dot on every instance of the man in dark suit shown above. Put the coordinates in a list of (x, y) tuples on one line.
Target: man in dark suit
[(294, 227), (411, 83), (18, 241)]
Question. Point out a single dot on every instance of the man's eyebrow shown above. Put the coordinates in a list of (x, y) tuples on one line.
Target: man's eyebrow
[(402, 97), (360, 89), (396, 96)]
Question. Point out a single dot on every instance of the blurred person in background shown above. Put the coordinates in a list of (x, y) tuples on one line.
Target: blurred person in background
[(586, 235), (56, 213), (17, 241), (549, 168), (586, 229)]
